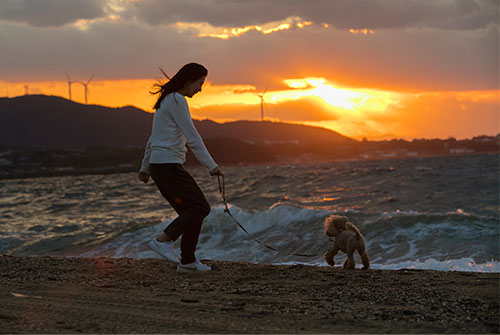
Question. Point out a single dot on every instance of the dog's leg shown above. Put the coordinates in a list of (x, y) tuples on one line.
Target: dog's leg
[(329, 255), (346, 262), (364, 259), (350, 263)]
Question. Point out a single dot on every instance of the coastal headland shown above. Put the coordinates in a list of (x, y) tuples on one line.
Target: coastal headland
[(109, 295)]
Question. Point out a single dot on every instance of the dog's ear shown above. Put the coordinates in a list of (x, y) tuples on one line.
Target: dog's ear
[(337, 221), (340, 222), (327, 223)]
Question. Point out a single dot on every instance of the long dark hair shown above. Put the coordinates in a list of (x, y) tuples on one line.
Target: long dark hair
[(188, 73)]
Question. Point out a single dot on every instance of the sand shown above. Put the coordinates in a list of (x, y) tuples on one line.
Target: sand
[(103, 295)]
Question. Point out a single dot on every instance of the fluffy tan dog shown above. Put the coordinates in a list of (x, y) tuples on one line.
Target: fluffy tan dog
[(348, 239)]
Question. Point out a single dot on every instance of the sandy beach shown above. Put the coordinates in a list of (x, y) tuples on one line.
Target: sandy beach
[(103, 295)]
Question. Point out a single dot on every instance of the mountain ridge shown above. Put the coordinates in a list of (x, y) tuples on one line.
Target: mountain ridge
[(51, 121)]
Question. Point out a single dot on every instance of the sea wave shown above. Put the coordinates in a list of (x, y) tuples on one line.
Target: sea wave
[(461, 265), (434, 212), (439, 241)]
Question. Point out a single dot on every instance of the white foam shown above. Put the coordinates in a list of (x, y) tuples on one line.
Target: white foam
[(282, 226), (221, 239), (277, 216), (463, 264), (130, 244)]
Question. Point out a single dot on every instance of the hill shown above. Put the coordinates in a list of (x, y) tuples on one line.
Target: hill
[(53, 122), (46, 135), (266, 132)]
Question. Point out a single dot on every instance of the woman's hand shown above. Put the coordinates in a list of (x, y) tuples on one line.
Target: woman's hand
[(143, 176), (216, 172)]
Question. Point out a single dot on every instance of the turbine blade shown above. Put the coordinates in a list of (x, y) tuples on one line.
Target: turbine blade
[(67, 76), (88, 81), (166, 75)]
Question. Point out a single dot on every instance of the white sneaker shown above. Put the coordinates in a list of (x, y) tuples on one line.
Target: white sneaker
[(164, 249), (193, 267)]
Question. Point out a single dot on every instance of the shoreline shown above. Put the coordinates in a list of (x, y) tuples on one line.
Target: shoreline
[(121, 295)]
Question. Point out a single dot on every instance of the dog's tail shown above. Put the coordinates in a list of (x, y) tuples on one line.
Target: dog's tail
[(351, 227)]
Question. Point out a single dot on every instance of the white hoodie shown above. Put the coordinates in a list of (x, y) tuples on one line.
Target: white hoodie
[(172, 128)]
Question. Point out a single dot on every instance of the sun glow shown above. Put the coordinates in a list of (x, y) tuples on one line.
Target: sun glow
[(316, 101), (354, 100)]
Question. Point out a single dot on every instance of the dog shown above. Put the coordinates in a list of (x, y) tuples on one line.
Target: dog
[(348, 239)]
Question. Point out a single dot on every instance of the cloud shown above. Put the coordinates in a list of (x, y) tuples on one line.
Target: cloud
[(243, 89), (106, 49), (50, 13), (428, 115), (299, 110), (390, 59), (343, 14), (303, 109), (207, 30)]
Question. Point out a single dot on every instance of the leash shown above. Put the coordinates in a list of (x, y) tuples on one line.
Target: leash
[(222, 190)]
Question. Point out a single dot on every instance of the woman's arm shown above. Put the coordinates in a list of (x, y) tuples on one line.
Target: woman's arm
[(182, 118)]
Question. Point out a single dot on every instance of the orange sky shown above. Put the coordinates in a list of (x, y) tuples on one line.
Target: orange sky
[(380, 70), (354, 112)]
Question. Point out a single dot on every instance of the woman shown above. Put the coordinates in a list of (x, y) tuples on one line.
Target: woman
[(163, 158)]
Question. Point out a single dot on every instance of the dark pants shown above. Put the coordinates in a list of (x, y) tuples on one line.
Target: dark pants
[(187, 199)]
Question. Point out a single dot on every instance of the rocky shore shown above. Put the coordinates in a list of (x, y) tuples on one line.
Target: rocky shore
[(103, 295)]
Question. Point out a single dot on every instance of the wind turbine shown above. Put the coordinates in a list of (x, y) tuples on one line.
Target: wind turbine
[(69, 85), (261, 96), (86, 88), (26, 90)]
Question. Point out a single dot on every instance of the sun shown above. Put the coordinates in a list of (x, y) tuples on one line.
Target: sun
[(335, 97), (345, 99), (340, 100)]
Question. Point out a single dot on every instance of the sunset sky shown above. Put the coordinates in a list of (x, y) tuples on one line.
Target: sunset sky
[(378, 69)]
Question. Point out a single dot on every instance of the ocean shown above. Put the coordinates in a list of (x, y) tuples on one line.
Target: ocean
[(439, 213)]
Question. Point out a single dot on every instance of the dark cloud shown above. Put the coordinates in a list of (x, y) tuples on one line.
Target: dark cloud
[(238, 90), (110, 51), (50, 13), (394, 60), (343, 14), (407, 60)]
